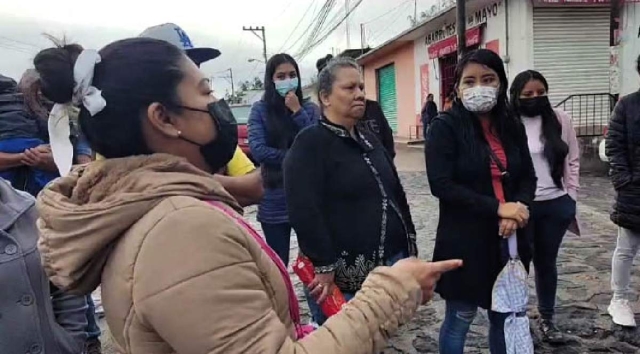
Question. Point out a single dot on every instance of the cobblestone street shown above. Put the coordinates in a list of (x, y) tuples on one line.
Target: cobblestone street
[(583, 289)]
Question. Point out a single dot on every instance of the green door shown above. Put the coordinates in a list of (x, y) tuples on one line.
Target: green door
[(387, 95)]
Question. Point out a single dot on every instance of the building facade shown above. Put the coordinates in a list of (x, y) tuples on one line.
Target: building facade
[(580, 46)]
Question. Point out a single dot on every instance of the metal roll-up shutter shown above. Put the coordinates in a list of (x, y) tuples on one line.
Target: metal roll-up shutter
[(387, 95), (571, 49)]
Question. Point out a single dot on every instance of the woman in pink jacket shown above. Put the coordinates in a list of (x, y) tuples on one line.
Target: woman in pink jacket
[(554, 150)]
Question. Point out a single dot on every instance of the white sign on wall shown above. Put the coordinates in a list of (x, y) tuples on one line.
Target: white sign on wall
[(484, 14), (475, 18)]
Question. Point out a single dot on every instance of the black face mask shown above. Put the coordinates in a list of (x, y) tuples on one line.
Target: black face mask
[(532, 107), (218, 152)]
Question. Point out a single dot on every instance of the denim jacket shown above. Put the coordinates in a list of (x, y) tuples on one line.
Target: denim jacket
[(35, 318)]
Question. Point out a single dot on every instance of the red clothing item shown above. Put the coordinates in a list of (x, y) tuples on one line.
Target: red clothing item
[(498, 150)]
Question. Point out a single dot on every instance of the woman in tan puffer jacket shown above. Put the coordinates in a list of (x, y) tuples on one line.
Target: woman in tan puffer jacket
[(178, 274)]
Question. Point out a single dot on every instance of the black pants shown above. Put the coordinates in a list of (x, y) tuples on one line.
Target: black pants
[(550, 220)]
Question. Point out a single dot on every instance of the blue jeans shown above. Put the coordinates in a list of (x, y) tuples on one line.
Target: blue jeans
[(278, 237), (458, 319), (549, 221), (316, 312), (93, 330)]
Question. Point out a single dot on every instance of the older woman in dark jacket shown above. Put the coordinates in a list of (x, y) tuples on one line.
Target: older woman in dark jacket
[(479, 167), (346, 202)]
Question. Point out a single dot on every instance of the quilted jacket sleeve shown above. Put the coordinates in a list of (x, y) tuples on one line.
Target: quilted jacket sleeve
[(213, 298), (617, 147), (257, 131)]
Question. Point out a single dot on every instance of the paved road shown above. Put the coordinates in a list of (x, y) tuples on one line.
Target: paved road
[(584, 267)]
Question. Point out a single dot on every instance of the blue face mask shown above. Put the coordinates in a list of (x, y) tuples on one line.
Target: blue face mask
[(285, 86)]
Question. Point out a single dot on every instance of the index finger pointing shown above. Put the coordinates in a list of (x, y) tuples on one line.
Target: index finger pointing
[(445, 266)]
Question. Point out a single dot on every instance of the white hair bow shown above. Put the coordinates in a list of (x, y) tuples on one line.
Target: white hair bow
[(59, 118)]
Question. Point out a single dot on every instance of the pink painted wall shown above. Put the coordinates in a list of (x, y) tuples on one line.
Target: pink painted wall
[(403, 58)]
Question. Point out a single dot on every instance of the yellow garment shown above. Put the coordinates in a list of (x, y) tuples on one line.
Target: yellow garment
[(239, 165)]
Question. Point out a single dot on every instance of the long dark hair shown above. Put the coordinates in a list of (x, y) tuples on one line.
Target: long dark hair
[(555, 149), (133, 74), (281, 130), (503, 122)]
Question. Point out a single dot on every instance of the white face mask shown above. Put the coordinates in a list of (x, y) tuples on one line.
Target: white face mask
[(480, 99)]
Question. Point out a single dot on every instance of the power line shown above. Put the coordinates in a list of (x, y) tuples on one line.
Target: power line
[(324, 13), (19, 42), (315, 34), (330, 31), (296, 27), (377, 35), (15, 48), (313, 22), (284, 10), (390, 11), (315, 18)]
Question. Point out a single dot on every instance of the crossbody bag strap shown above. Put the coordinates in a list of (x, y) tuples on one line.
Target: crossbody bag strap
[(496, 160), (512, 241), (294, 309)]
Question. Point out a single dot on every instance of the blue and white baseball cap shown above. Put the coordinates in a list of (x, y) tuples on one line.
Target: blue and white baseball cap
[(173, 34)]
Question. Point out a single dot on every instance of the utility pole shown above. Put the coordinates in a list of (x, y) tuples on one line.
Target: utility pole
[(415, 12), (228, 78), (263, 38), (233, 90), (614, 13), (461, 27), (346, 22), (363, 40)]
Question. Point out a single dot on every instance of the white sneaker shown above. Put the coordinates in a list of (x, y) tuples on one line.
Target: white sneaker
[(621, 313)]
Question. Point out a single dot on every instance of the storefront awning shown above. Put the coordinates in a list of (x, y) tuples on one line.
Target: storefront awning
[(450, 45)]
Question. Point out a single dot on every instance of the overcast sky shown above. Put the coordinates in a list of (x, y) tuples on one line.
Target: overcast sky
[(215, 24)]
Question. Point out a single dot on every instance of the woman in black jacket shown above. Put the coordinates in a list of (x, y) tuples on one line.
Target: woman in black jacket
[(345, 199), (479, 167)]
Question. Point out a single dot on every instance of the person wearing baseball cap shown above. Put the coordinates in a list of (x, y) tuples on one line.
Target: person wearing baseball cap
[(175, 35), (244, 185)]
